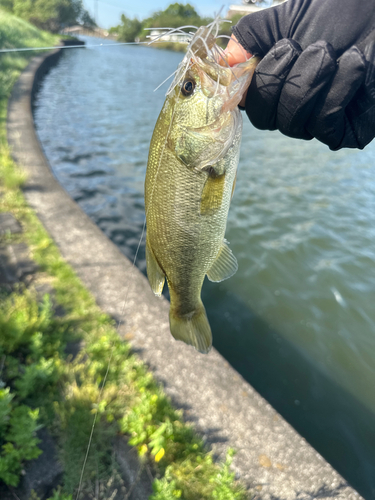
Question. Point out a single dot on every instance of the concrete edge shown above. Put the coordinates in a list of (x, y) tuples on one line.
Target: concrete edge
[(272, 457)]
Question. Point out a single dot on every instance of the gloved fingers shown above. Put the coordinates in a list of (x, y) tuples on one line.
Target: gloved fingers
[(312, 71), (328, 121), (260, 31), (268, 80), (361, 111), (342, 23), (369, 54)]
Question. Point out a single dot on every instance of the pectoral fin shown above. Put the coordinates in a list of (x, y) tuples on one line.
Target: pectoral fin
[(233, 187), (224, 266), (212, 194), (155, 274)]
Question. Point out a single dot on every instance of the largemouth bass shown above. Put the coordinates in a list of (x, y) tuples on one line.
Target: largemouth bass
[(190, 179)]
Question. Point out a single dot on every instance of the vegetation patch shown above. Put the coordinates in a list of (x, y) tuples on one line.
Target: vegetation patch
[(41, 385), (176, 15), (50, 15)]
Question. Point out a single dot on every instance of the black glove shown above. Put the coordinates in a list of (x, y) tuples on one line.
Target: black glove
[(317, 76)]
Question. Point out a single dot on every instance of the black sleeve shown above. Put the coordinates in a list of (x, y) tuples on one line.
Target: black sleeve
[(317, 73), (341, 23)]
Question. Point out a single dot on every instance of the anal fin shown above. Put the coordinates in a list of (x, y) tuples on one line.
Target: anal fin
[(155, 274), (224, 266)]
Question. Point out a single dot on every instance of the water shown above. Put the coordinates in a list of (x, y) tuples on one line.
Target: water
[(298, 319)]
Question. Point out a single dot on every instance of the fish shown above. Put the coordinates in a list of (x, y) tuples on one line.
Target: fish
[(190, 180)]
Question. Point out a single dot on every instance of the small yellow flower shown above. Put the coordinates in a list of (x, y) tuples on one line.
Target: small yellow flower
[(159, 455), (143, 449)]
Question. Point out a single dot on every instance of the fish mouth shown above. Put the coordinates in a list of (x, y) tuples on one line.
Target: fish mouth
[(242, 76), (234, 81)]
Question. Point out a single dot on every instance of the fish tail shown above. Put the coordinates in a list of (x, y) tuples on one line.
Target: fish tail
[(193, 328)]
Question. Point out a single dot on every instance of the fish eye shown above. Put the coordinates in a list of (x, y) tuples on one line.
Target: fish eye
[(188, 87)]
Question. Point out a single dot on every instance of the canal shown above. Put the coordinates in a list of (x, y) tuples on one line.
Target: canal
[(298, 319)]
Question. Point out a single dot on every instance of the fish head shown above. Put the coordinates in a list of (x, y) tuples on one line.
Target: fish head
[(204, 102)]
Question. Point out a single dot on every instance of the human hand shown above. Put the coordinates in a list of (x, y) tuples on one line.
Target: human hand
[(235, 54), (317, 76)]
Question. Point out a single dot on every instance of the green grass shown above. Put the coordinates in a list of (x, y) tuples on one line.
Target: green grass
[(40, 385), (16, 33)]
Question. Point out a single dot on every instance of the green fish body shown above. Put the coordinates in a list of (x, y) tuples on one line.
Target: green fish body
[(190, 180)]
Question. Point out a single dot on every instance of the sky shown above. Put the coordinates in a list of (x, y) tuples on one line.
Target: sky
[(109, 11)]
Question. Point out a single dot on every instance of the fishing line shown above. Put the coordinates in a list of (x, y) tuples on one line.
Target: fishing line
[(25, 49), (177, 31), (123, 307), (122, 313), (128, 287), (29, 49), (162, 83)]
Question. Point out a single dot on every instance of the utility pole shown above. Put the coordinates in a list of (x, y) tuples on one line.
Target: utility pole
[(96, 13)]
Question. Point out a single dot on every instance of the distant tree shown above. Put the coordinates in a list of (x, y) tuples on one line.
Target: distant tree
[(7, 5), (174, 16), (87, 20), (181, 10), (128, 30), (51, 15), (114, 30)]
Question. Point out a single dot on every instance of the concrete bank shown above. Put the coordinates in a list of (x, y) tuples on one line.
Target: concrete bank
[(272, 457)]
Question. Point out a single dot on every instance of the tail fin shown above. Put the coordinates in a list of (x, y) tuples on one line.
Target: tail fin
[(194, 329)]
